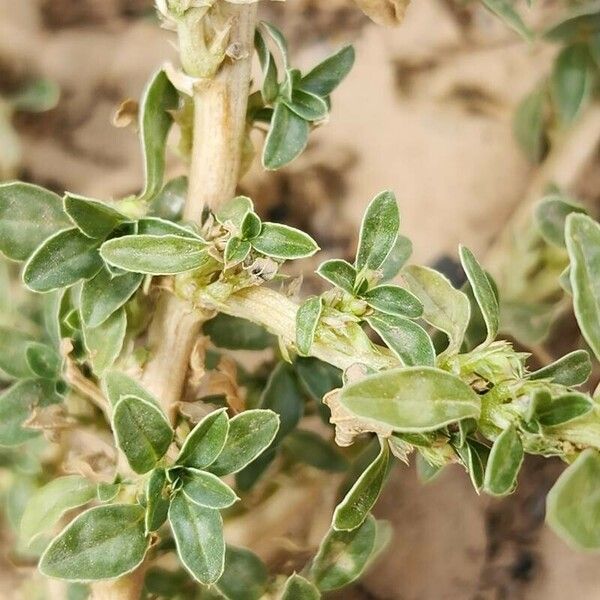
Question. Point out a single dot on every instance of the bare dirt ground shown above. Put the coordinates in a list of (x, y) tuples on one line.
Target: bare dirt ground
[(426, 112)]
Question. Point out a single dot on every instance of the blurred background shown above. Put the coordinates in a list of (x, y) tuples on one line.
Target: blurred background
[(429, 112)]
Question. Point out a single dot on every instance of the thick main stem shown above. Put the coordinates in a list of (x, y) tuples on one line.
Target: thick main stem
[(220, 106)]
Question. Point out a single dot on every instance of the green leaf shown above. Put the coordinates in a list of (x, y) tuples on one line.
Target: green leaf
[(206, 489), (355, 507), (283, 396), (62, 260), (107, 492), (378, 232), (529, 124), (584, 24), (287, 138), (206, 441), (104, 542), (571, 80), (116, 386), (105, 342), (93, 218), (13, 353), (563, 409), (307, 320), (155, 254), (250, 434), (326, 76), (234, 211), (245, 576), (504, 463), (38, 96), (51, 502), (16, 404), (317, 377), (170, 201), (298, 588), (540, 400), (343, 556), (270, 86), (157, 500), (28, 215), (162, 227), (396, 259), (570, 370), (504, 9), (251, 226), (407, 340), (236, 252), (412, 399), (307, 106), (278, 38), (340, 273), (43, 360), (142, 432), (394, 300), (444, 307), (551, 216), (583, 240), (309, 448), (281, 241), (573, 504), (235, 333), (159, 99), (474, 457), (198, 533), (105, 293), (483, 291)]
